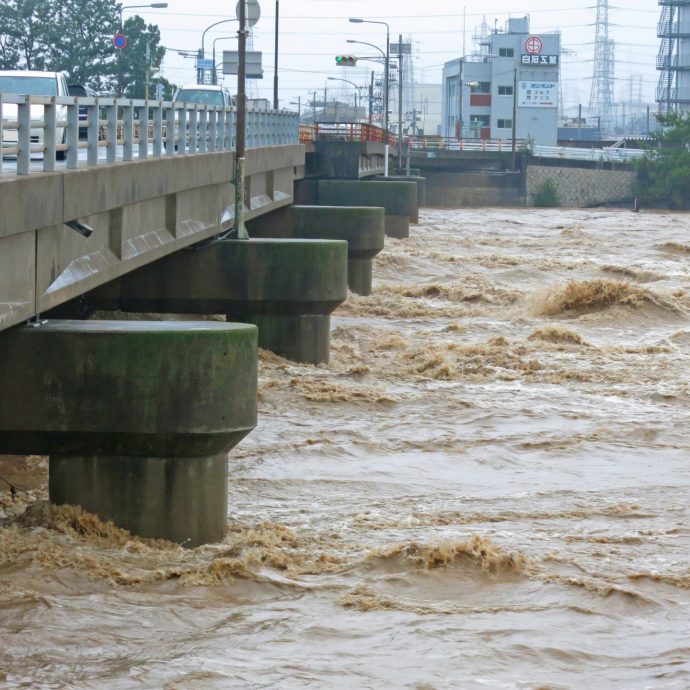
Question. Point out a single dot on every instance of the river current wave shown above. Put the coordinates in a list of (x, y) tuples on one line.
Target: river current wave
[(486, 487)]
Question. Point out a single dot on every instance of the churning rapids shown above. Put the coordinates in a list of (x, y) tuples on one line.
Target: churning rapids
[(487, 487)]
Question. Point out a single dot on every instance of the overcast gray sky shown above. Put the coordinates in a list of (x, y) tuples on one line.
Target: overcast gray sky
[(312, 32)]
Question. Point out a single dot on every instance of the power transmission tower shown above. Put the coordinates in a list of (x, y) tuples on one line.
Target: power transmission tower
[(408, 83), (673, 60), (601, 96)]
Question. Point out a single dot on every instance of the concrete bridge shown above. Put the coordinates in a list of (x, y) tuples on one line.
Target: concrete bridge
[(137, 417)]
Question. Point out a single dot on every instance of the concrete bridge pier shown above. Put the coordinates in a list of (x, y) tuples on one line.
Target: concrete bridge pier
[(421, 188), (398, 198), (361, 227), (288, 288), (136, 417)]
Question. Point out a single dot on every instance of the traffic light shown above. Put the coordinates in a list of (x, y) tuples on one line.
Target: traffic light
[(345, 60)]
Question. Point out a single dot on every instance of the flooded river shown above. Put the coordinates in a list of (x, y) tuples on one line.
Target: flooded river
[(487, 487)]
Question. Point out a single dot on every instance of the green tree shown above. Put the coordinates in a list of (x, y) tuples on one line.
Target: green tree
[(134, 62), (168, 88), (663, 175), (79, 37), (23, 34), (546, 194), (76, 37)]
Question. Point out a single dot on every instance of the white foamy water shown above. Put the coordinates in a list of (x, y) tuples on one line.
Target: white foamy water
[(487, 487)]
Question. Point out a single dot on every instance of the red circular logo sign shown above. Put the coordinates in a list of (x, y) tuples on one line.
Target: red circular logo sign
[(533, 45), (119, 40)]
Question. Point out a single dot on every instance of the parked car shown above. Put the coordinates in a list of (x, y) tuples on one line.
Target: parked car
[(81, 91), (204, 94), (31, 83)]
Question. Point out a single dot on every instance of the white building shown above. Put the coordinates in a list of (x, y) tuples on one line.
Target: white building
[(424, 104), (512, 86)]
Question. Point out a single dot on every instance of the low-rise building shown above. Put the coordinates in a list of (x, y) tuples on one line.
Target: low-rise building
[(511, 87)]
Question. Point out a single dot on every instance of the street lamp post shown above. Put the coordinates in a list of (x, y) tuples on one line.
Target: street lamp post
[(347, 81), (155, 5), (371, 89), (460, 120), (358, 20), (514, 123), (220, 38), (400, 100), (202, 54), (460, 83)]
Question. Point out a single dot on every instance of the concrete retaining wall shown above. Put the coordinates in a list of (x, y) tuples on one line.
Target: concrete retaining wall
[(581, 187), (458, 190)]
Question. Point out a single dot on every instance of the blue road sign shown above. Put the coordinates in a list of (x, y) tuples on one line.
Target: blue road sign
[(119, 40), (204, 64)]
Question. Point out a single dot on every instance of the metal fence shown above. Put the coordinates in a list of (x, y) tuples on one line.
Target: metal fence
[(436, 143), (96, 131), (351, 131), (604, 154), (607, 154)]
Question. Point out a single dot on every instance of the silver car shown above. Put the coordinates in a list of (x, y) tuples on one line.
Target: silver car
[(30, 83)]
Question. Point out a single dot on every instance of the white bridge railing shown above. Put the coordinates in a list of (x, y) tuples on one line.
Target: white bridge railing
[(97, 131), (606, 154)]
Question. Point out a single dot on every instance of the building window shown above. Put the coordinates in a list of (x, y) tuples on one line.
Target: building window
[(506, 52), (505, 90), (482, 87), (504, 124), (481, 120)]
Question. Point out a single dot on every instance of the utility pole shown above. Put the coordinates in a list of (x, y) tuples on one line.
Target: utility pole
[(275, 71), (147, 60), (199, 71), (371, 97), (241, 133)]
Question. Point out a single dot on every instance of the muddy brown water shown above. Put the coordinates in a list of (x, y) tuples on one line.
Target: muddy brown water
[(487, 487)]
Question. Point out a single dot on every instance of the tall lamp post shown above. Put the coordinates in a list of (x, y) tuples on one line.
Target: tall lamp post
[(220, 38), (358, 20), (514, 123), (347, 81), (460, 83), (371, 89), (202, 53), (155, 5), (460, 120)]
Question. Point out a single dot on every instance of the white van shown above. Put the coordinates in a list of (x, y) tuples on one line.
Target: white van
[(29, 83), (204, 94)]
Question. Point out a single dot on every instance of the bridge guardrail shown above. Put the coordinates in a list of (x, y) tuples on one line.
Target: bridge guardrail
[(604, 154), (436, 143), (30, 125), (351, 131)]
